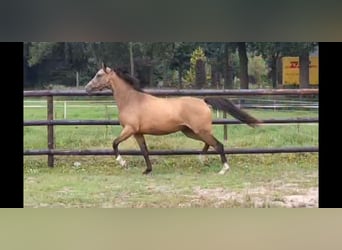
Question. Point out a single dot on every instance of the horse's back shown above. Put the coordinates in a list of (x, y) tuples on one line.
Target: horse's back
[(194, 104)]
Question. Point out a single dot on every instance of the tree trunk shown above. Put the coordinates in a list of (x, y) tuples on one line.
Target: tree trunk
[(200, 74), (77, 79), (279, 71), (304, 63), (180, 75), (228, 70), (66, 53), (243, 65), (165, 68), (131, 58), (215, 76), (150, 81), (274, 71), (26, 67)]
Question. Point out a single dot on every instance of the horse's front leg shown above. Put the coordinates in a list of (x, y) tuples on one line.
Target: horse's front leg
[(142, 144), (124, 135)]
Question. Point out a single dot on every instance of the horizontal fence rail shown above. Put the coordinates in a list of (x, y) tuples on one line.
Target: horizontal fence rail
[(116, 122), (181, 92), (50, 122), (174, 152)]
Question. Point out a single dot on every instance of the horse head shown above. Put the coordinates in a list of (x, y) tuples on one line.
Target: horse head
[(101, 80)]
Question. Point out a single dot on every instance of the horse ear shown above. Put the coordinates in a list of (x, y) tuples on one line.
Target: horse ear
[(104, 67)]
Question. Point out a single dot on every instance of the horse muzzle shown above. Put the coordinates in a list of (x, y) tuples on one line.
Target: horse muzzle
[(88, 88)]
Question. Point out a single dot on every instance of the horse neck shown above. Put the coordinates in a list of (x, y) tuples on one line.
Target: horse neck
[(122, 92)]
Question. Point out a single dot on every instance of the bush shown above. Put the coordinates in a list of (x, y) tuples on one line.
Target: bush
[(257, 69)]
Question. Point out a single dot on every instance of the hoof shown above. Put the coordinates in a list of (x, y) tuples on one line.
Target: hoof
[(123, 164), (147, 171), (222, 172), (224, 169), (121, 161)]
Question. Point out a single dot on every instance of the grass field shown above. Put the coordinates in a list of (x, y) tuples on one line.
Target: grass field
[(266, 180)]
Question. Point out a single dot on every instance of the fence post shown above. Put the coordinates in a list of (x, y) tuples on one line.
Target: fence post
[(225, 134), (65, 111), (50, 130)]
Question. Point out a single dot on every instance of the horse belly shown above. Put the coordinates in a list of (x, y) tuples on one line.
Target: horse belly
[(160, 125), (165, 116)]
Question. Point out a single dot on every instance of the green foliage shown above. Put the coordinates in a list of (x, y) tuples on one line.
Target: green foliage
[(257, 68), (197, 54), (38, 51), (181, 55), (57, 62)]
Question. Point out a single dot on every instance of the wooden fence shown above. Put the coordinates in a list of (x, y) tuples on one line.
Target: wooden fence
[(50, 122)]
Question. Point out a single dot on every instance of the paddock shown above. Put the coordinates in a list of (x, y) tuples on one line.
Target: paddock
[(100, 159)]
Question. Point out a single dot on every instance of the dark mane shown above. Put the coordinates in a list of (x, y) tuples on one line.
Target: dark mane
[(131, 80)]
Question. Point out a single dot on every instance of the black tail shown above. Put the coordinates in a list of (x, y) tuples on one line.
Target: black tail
[(229, 107)]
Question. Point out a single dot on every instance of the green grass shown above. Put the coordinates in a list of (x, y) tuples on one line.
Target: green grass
[(176, 181), (100, 182)]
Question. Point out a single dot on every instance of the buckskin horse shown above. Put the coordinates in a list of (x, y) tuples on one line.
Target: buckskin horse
[(141, 113)]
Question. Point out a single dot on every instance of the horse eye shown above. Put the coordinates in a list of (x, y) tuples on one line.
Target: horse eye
[(98, 76)]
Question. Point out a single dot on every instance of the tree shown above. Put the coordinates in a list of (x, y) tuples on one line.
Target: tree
[(220, 58), (228, 72), (57, 63), (304, 64), (273, 51), (180, 59), (214, 59), (200, 73), (302, 50), (131, 62), (257, 69), (39, 51), (153, 60), (197, 54), (243, 65)]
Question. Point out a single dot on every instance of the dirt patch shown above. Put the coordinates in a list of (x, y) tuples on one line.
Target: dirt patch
[(289, 196), (309, 199)]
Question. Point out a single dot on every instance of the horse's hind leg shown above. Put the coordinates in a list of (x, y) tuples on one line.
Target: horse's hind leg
[(142, 144), (203, 156), (191, 134), (209, 139), (124, 135)]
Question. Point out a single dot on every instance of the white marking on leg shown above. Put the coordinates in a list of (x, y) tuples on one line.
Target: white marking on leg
[(121, 161), (225, 168)]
